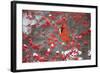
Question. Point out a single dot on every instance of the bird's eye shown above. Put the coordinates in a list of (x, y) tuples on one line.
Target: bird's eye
[(62, 29)]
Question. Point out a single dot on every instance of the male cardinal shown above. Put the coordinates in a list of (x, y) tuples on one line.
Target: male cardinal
[(64, 33)]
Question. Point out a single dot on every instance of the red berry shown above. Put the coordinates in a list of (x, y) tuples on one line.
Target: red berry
[(85, 42)]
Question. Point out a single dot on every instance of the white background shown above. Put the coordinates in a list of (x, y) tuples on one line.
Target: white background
[(5, 37)]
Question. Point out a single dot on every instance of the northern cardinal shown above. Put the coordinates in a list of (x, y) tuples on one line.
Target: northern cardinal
[(64, 33)]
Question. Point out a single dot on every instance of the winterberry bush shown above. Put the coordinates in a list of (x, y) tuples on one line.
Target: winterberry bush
[(55, 36)]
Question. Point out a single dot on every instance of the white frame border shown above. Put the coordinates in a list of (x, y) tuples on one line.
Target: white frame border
[(21, 65)]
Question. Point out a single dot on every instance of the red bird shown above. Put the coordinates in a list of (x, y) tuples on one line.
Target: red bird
[(64, 33)]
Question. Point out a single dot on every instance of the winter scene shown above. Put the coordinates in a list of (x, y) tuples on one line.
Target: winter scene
[(50, 36)]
